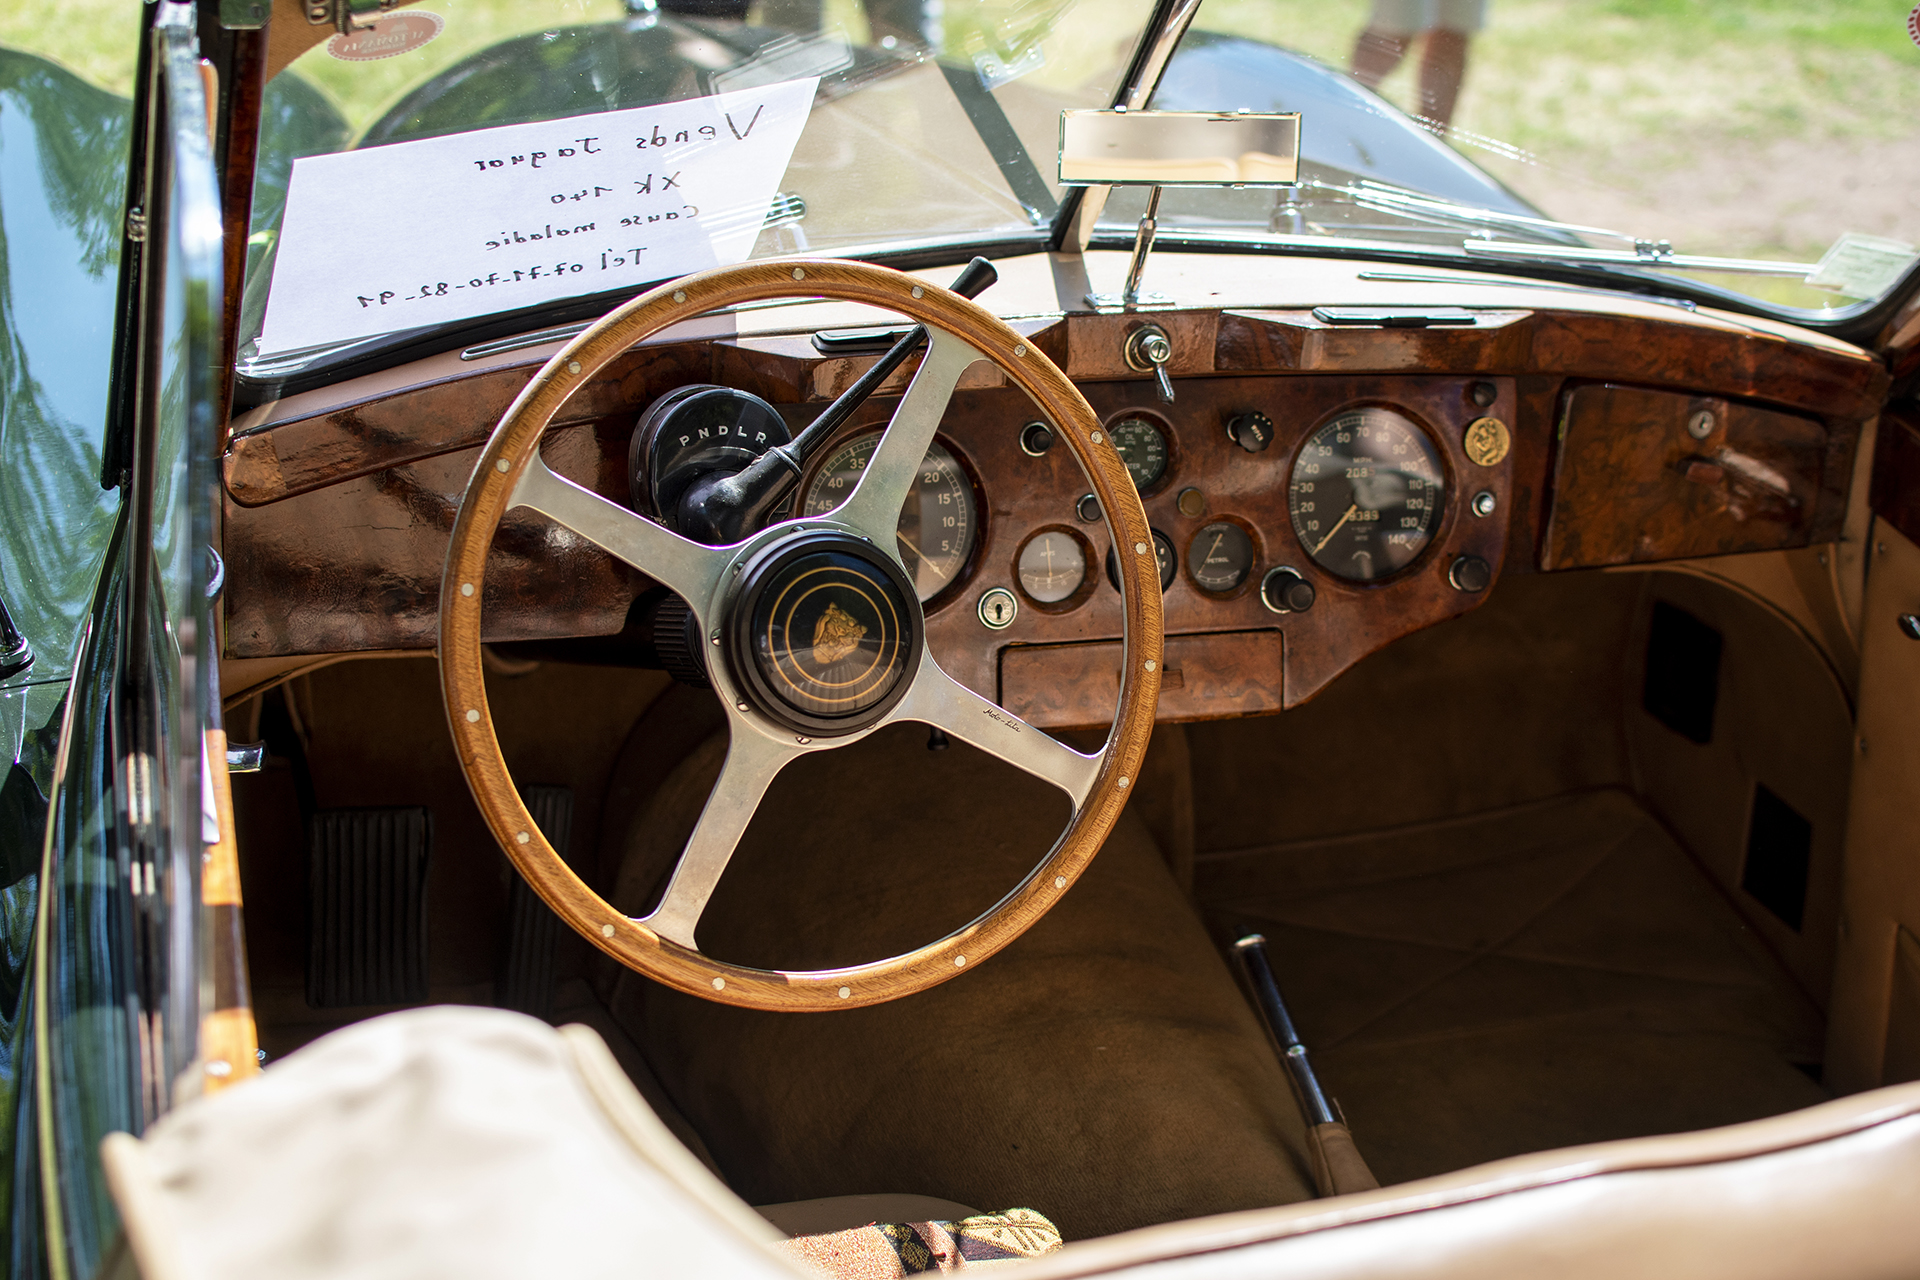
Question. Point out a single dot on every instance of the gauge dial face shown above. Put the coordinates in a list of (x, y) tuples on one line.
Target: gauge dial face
[(1052, 566), (1143, 447), (1366, 494), (1220, 557), (938, 522)]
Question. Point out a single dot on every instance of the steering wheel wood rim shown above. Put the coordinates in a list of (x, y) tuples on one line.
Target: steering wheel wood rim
[(510, 473)]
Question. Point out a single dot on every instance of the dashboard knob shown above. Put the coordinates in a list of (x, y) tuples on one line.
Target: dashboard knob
[(1470, 574), (1285, 591), (1251, 431)]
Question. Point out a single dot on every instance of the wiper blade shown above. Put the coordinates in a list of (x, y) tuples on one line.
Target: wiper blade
[(1400, 200), (1644, 253)]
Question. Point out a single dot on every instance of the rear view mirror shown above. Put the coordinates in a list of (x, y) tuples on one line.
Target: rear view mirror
[(1179, 148), (1172, 149)]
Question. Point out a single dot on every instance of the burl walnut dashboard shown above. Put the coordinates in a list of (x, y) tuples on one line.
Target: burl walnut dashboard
[(1317, 490)]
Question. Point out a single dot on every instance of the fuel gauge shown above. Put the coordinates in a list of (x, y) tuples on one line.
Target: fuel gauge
[(1220, 557)]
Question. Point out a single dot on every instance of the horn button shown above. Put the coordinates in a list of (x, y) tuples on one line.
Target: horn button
[(824, 633)]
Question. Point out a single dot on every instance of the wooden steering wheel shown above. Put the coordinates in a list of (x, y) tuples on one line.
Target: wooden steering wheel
[(816, 631)]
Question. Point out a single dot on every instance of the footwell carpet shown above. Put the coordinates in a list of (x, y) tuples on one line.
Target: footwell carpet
[(1554, 973)]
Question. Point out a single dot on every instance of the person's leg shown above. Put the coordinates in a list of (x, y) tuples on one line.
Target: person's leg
[(1441, 70), (1375, 54), (1443, 65), (1390, 31)]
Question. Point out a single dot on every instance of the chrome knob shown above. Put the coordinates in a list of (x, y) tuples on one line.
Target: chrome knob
[(1148, 350)]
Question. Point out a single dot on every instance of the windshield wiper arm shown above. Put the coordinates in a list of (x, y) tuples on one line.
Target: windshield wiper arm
[(1390, 199), (1644, 253)]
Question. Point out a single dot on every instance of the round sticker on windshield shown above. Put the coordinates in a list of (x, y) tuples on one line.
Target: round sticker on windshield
[(388, 38)]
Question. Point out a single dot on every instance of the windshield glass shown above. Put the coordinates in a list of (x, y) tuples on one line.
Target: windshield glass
[(795, 126), (1766, 150), (1778, 137)]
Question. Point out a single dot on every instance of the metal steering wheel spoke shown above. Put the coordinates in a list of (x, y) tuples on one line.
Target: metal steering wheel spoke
[(688, 568), (874, 506), (778, 685), (753, 760), (936, 698)]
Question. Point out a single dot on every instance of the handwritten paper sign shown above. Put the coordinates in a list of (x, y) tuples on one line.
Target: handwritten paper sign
[(419, 233)]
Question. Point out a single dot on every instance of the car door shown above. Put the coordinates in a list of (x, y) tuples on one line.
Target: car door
[(114, 985), (1874, 1035)]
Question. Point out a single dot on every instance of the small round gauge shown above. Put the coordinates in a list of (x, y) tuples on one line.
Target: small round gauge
[(1220, 557), (1366, 494), (938, 522), (1052, 565), (1143, 447), (1164, 559)]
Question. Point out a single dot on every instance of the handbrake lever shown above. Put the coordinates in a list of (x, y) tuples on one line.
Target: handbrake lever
[(722, 509)]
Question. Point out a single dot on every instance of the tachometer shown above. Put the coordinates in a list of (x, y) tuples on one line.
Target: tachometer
[(1365, 494), (938, 523)]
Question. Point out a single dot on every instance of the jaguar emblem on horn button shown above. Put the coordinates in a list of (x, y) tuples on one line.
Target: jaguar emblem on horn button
[(824, 633), (835, 636)]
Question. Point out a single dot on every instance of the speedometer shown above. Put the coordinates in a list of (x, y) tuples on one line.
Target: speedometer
[(938, 522), (1366, 494)]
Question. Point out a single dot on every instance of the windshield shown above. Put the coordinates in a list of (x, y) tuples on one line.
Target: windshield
[(1771, 147), (1764, 152), (839, 128)]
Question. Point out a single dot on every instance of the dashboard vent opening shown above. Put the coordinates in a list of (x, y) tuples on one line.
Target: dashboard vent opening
[(1683, 672), (1779, 855)]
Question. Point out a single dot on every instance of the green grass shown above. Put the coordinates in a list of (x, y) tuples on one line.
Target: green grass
[(1689, 118), (98, 40)]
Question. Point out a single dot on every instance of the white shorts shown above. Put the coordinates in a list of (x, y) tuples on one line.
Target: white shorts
[(1411, 17)]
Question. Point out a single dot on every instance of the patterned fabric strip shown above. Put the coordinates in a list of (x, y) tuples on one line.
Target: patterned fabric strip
[(886, 1250)]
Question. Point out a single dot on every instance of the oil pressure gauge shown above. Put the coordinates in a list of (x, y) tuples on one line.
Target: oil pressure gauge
[(1142, 445)]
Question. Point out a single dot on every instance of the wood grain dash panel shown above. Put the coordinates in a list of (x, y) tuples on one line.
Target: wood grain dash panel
[(1633, 484), (1207, 677)]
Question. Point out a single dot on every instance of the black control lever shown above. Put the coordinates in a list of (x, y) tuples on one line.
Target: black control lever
[(720, 509)]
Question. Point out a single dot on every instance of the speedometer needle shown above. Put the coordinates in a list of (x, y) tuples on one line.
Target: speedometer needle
[(1352, 511), (908, 543)]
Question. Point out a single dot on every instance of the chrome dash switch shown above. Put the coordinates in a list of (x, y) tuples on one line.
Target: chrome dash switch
[(1148, 350)]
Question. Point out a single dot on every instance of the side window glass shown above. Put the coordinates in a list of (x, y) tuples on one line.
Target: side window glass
[(65, 113)]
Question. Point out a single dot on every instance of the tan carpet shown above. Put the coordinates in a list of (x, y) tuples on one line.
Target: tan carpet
[(1103, 1070), (1547, 974)]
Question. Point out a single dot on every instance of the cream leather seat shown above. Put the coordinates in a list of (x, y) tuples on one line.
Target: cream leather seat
[(475, 1143)]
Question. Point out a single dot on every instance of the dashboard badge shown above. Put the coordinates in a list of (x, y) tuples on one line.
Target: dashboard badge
[(1486, 441)]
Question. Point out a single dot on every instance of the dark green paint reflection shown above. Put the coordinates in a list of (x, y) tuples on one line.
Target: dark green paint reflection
[(63, 165)]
